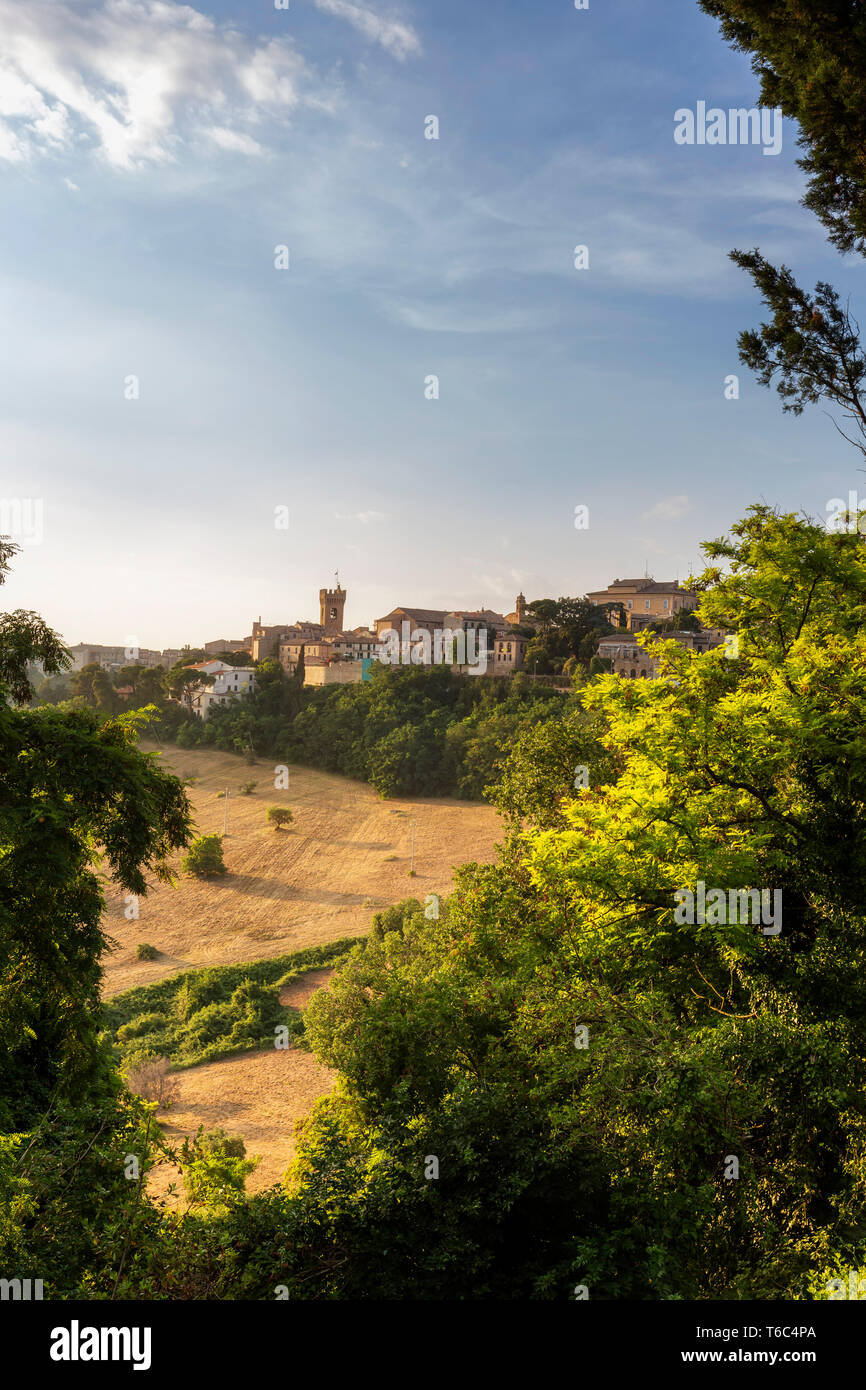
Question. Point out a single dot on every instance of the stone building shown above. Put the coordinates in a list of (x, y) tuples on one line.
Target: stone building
[(643, 601), (504, 651), (626, 657), (331, 605), (629, 659), (518, 618), (112, 658), (509, 650), (228, 644)]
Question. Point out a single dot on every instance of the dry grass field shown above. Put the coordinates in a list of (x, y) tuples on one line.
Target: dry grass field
[(259, 1095), (347, 853)]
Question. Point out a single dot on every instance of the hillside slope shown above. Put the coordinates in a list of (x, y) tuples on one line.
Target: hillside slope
[(347, 853)]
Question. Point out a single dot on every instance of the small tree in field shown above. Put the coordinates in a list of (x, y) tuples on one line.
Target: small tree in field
[(280, 816), (247, 788), (205, 857)]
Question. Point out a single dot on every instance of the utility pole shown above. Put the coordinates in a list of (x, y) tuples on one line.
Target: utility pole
[(413, 847), (226, 811)]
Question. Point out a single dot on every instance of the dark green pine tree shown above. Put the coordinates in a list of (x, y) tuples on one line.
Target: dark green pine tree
[(810, 60), (810, 56)]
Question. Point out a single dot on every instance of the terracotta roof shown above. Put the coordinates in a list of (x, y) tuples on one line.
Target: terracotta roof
[(424, 615)]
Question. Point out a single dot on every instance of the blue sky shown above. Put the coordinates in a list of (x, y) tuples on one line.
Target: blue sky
[(153, 155)]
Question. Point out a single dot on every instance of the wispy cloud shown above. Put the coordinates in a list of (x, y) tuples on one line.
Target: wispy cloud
[(136, 80), (365, 518), (669, 508), (396, 36)]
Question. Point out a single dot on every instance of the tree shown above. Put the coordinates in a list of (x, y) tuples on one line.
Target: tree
[(810, 60), (537, 658), (205, 857), (182, 682), (280, 816), (77, 801), (685, 620), (128, 675), (25, 639), (215, 1168), (103, 692), (810, 349), (560, 1011), (546, 766), (150, 684), (234, 658), (567, 627), (53, 690), (82, 684), (67, 784), (545, 612), (600, 665)]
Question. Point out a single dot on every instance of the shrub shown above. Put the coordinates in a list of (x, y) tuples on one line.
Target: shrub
[(214, 1172), (145, 952), (205, 857), (247, 788), (280, 816), (197, 990), (215, 1141), (140, 1026), (152, 1080), (202, 1014)]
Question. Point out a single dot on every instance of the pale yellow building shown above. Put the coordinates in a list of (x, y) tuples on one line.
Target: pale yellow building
[(644, 601)]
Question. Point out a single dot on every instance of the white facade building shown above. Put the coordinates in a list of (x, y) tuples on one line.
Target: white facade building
[(229, 683)]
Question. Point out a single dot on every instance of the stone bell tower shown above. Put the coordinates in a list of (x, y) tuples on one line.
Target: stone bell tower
[(331, 605)]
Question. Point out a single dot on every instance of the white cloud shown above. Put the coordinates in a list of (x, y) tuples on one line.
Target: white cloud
[(234, 140), (456, 317), (670, 508), (136, 80), (364, 517), (398, 38)]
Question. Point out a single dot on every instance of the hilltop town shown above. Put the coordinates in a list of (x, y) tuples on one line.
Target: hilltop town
[(329, 653)]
